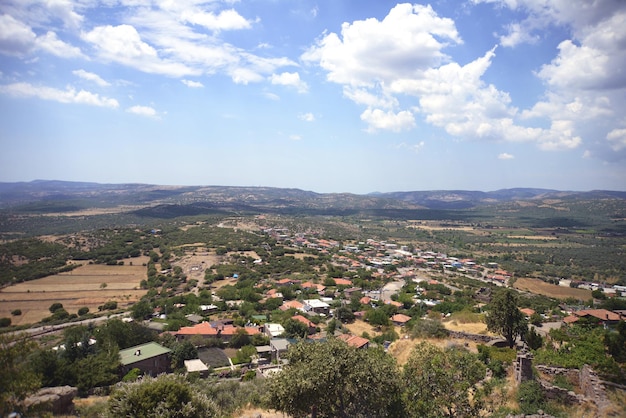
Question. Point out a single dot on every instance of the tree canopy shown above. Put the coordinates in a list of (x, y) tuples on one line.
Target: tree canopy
[(442, 382), (505, 318), (333, 379)]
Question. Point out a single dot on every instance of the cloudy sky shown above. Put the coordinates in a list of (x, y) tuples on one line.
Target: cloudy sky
[(323, 95)]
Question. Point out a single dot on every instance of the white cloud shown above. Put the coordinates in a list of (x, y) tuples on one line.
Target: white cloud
[(53, 45), (617, 139), (505, 156), (518, 34), (245, 75), (124, 45), (70, 95), (85, 75), (409, 40), (143, 111), (378, 119), (584, 95), (295, 137), (363, 97), (307, 117), (225, 20), (271, 96), (192, 84), (16, 38), (291, 80)]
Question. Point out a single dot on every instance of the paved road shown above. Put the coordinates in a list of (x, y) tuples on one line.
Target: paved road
[(390, 289), (50, 328)]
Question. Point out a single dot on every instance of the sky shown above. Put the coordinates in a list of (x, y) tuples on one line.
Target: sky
[(329, 96)]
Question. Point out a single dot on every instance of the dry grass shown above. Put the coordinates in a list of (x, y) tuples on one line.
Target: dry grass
[(470, 327), (76, 289), (540, 287)]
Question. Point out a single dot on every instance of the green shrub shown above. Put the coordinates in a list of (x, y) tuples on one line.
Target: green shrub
[(530, 397)]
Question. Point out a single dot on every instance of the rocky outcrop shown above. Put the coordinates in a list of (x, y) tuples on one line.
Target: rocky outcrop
[(58, 400)]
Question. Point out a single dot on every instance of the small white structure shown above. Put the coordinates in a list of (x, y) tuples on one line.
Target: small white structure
[(273, 330), (196, 365)]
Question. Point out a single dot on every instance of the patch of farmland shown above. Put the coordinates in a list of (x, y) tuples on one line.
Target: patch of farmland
[(540, 287), (90, 285)]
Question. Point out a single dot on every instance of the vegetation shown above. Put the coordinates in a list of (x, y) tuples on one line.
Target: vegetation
[(341, 381), (562, 238), (505, 318)]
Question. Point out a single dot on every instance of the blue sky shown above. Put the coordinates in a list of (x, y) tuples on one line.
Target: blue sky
[(329, 95)]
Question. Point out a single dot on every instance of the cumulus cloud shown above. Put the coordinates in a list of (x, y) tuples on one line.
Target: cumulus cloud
[(291, 80), (225, 20), (143, 111), (295, 137), (378, 119), (617, 139), (95, 78), (123, 44), (505, 156), (584, 82), (192, 84), (307, 117), (51, 44), (16, 38), (70, 95), (409, 40)]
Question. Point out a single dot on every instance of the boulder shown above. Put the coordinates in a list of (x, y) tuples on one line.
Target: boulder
[(58, 400)]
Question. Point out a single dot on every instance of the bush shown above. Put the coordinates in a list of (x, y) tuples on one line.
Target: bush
[(83, 311), (163, 396), (55, 307), (5, 322), (428, 328), (530, 397), (16, 312)]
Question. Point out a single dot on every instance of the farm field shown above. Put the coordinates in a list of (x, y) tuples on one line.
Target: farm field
[(540, 287), (84, 286)]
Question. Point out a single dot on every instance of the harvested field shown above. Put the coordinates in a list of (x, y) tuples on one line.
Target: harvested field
[(401, 349), (540, 287), (472, 328), (84, 286)]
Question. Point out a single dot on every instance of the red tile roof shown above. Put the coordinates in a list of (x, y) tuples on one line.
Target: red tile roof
[(354, 341), (400, 318)]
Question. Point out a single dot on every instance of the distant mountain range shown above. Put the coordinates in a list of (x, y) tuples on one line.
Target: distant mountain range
[(66, 196)]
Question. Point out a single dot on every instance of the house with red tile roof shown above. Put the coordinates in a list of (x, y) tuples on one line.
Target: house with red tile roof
[(365, 300), (602, 316), (355, 341), (528, 312), (207, 330), (343, 282), (400, 319), (288, 304), (309, 285)]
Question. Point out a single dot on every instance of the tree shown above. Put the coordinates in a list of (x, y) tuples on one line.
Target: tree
[(533, 339), (333, 379), (55, 307), (141, 310), (182, 351), (17, 379), (442, 382), (377, 317), (83, 311), (505, 318), (295, 329), (166, 396)]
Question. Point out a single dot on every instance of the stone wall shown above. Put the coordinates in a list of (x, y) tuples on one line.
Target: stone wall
[(477, 338)]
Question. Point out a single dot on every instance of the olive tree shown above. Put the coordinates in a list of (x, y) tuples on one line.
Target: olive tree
[(333, 379), (442, 382)]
